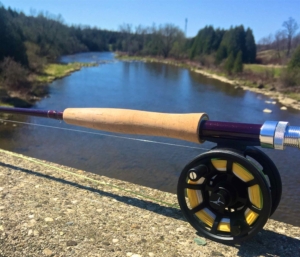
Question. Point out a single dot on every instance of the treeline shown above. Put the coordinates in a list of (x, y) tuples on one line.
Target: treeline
[(210, 46), (28, 43), (37, 38), (31, 41)]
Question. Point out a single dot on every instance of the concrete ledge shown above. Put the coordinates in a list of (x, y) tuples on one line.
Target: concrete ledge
[(47, 211)]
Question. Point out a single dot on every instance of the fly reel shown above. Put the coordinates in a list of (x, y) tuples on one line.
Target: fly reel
[(228, 195)]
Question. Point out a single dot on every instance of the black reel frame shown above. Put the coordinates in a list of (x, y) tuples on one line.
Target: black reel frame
[(233, 202)]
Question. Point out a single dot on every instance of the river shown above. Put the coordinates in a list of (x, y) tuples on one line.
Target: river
[(150, 87)]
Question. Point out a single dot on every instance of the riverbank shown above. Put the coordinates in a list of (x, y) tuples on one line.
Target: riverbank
[(287, 100), (51, 210), (39, 84)]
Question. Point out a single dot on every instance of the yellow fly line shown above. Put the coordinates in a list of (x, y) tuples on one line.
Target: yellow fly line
[(254, 192)]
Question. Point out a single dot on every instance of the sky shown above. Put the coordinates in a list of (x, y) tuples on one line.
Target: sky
[(262, 16)]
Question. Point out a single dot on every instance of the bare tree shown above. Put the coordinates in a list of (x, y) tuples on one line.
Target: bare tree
[(266, 42), (279, 40), (168, 34), (126, 30), (291, 27)]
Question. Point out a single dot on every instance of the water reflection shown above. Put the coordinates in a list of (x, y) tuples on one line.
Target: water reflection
[(215, 85), (169, 72)]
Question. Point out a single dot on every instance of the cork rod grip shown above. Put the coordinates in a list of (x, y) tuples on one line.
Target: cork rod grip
[(179, 126)]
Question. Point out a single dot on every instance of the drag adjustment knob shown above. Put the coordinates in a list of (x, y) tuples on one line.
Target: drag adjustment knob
[(219, 199)]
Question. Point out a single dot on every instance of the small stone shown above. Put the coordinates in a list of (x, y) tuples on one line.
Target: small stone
[(1, 189), (180, 229), (283, 108), (61, 233), (1, 228), (29, 232), (48, 219), (135, 226), (267, 110), (260, 86), (99, 210), (115, 240), (199, 241), (70, 223), (136, 255), (35, 233), (31, 223), (31, 216), (151, 254), (274, 102), (2, 207), (47, 252), (71, 243)]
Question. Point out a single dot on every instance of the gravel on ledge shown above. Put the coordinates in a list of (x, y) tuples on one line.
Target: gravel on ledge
[(51, 210)]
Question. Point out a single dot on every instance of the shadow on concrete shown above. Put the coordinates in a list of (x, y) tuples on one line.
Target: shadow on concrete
[(143, 204), (269, 243)]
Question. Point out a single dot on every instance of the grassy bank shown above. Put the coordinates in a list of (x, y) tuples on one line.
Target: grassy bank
[(39, 84), (55, 71), (258, 78), (274, 70)]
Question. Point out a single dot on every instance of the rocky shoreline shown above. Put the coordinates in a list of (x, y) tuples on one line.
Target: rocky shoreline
[(51, 210)]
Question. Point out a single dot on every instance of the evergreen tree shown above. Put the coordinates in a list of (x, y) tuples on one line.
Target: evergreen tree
[(221, 54), (11, 42), (229, 63), (238, 63), (219, 33), (250, 54), (234, 40)]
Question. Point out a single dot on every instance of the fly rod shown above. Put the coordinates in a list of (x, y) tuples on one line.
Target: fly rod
[(227, 193), (193, 127)]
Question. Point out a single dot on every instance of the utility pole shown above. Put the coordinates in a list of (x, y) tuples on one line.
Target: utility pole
[(185, 30)]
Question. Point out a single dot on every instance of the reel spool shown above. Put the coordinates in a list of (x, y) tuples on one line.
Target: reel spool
[(225, 196), (271, 173)]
